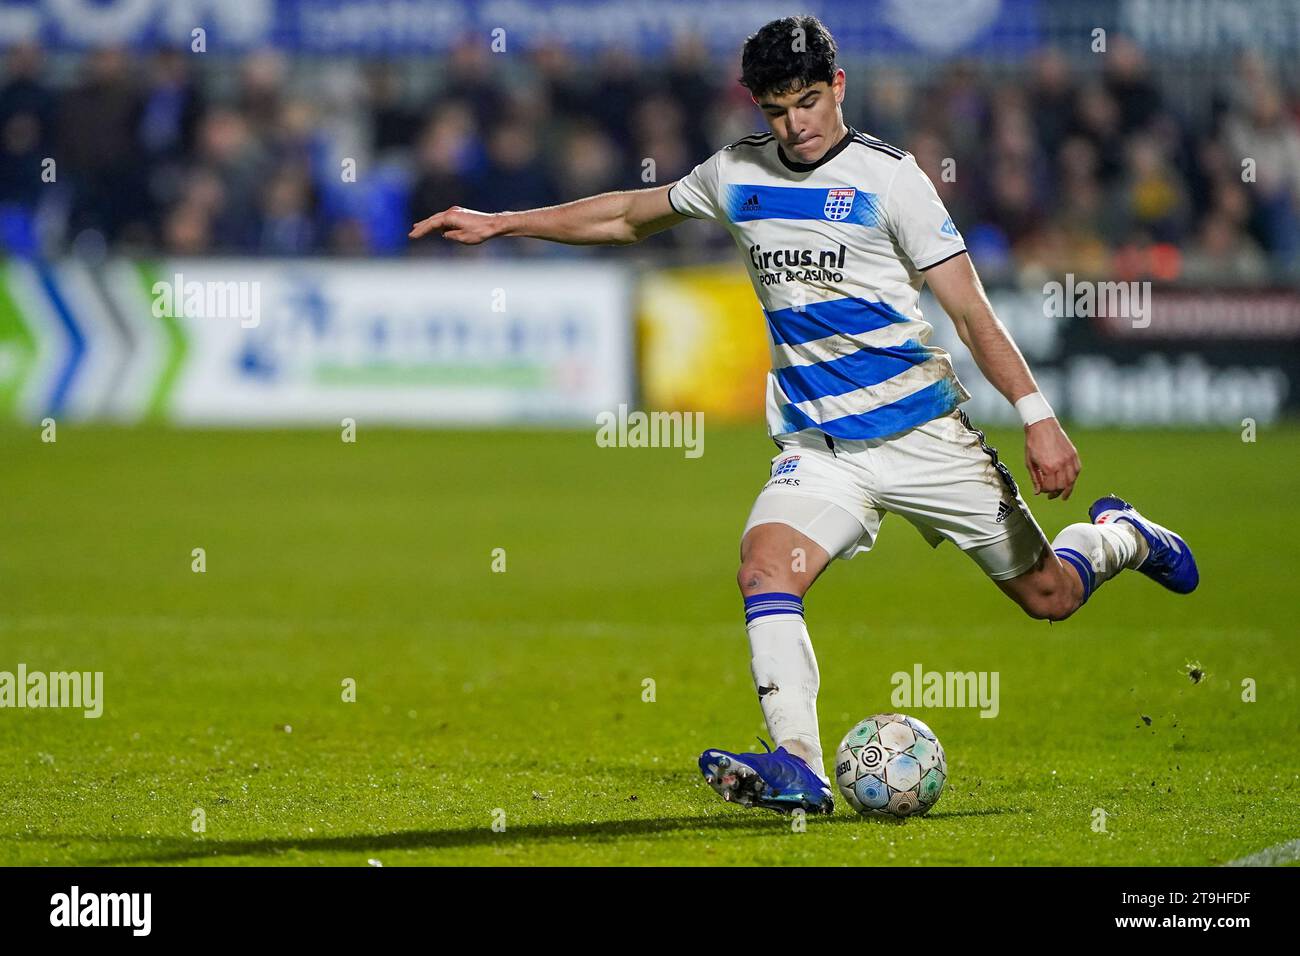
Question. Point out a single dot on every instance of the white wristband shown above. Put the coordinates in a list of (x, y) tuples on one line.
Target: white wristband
[(1034, 408)]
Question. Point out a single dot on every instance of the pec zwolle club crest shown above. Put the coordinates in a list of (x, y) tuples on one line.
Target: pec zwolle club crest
[(839, 203)]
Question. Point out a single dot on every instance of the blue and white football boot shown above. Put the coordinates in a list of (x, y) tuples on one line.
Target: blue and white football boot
[(1169, 560), (776, 780)]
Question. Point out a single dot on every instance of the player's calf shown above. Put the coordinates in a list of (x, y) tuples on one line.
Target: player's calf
[(1049, 591), (1081, 559)]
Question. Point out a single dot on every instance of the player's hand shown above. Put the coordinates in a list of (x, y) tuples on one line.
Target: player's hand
[(1051, 458), (461, 224)]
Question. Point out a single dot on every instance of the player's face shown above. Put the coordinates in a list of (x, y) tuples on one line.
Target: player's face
[(807, 122)]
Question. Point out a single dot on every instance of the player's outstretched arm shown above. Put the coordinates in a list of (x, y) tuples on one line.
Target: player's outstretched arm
[(1050, 456), (616, 218)]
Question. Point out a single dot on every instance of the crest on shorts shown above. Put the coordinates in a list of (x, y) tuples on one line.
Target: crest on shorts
[(786, 465), (839, 203)]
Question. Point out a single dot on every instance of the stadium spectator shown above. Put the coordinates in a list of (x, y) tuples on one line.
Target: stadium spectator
[(1072, 163)]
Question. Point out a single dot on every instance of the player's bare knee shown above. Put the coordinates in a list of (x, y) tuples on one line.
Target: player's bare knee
[(1033, 605), (755, 575), (1050, 605), (758, 574), (1063, 605)]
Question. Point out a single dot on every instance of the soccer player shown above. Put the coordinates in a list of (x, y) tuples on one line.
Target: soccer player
[(839, 231)]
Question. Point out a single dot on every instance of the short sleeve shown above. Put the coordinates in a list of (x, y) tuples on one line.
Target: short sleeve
[(920, 223), (696, 193)]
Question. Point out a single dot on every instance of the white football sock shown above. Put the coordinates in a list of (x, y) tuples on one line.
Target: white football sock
[(1106, 522), (785, 671), (1108, 549)]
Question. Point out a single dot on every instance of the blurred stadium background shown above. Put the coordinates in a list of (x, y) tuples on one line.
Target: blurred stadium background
[(286, 146)]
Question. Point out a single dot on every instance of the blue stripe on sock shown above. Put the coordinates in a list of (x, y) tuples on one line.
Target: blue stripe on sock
[(776, 602), (1081, 565)]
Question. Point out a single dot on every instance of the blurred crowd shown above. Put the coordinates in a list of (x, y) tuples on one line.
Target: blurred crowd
[(1047, 169)]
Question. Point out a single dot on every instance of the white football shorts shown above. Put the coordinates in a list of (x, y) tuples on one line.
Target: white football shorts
[(941, 476)]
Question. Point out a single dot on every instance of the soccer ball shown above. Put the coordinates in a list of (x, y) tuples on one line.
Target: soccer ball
[(891, 765)]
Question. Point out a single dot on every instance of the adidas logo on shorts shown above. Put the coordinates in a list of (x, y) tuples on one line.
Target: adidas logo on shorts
[(1004, 511)]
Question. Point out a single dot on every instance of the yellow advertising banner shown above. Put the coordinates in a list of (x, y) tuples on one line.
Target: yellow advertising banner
[(703, 342)]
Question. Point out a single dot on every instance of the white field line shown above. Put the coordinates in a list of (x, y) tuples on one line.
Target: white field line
[(1279, 855)]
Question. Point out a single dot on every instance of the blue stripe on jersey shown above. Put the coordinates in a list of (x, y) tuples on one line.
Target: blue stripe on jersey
[(860, 369), (819, 320), (744, 203), (908, 412)]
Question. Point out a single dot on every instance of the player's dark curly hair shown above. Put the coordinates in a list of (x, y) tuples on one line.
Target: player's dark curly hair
[(772, 62)]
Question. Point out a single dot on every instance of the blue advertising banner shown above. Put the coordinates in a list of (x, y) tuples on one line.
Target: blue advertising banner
[(391, 27)]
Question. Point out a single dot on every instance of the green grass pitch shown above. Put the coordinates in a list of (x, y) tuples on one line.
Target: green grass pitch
[(518, 696)]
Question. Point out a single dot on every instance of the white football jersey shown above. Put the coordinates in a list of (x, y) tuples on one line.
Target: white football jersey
[(836, 250)]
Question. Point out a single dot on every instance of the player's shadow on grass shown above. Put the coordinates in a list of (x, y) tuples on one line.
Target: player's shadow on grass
[(162, 850)]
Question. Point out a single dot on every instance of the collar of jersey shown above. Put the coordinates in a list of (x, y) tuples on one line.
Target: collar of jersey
[(826, 157)]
